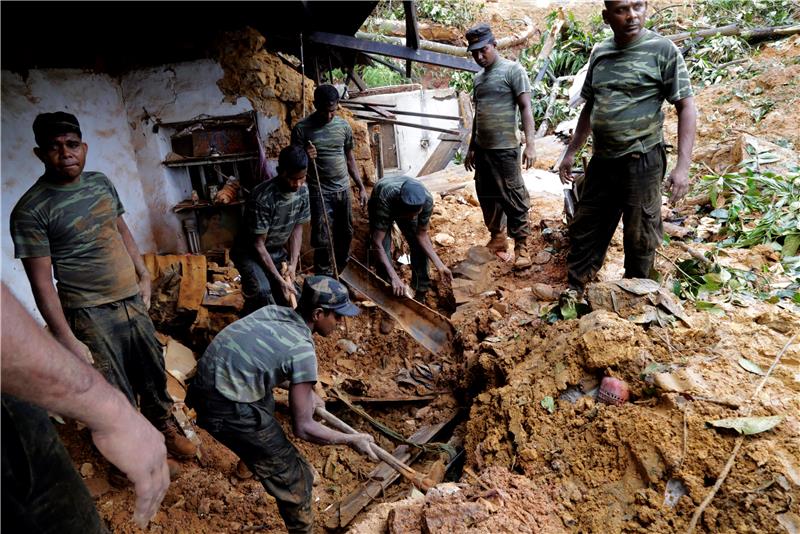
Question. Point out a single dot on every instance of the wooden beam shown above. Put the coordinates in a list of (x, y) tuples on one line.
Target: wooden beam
[(401, 52), (379, 111), (401, 123), (376, 109), (369, 103)]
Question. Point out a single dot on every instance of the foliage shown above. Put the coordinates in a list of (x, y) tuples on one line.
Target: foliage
[(458, 13), (461, 81), (716, 13), (708, 63), (380, 76)]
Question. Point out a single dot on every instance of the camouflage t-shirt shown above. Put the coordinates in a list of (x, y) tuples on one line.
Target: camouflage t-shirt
[(272, 212), (496, 111), (385, 199), (331, 141), (76, 226), (254, 354), (628, 86)]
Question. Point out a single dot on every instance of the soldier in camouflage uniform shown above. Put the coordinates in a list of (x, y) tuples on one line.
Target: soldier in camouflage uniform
[(232, 393), (69, 224), (275, 214), (629, 77), (501, 93), (404, 200), (329, 140)]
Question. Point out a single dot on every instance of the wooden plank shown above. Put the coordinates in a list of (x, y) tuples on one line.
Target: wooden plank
[(391, 50), (442, 155), (193, 282), (403, 123), (341, 514)]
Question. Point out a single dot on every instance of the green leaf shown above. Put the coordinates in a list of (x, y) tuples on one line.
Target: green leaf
[(748, 425), (790, 245), (549, 404), (752, 367)]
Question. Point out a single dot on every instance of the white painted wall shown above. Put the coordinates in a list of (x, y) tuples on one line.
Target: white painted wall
[(412, 152), (117, 118), (96, 100), (171, 93)]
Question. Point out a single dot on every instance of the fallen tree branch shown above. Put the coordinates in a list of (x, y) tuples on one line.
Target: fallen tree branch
[(733, 29), (505, 42), (737, 446), (543, 59)]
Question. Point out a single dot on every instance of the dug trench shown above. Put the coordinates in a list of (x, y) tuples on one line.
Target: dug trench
[(538, 452)]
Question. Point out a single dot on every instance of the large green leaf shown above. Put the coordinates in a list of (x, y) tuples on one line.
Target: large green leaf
[(748, 425)]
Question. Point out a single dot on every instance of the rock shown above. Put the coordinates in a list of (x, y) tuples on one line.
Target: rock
[(404, 519), (348, 346), (494, 315), (501, 307), (444, 239), (97, 486), (542, 257), (204, 507), (87, 470), (544, 292), (480, 255)]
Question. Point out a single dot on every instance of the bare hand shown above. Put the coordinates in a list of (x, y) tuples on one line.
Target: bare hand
[(78, 348), (137, 449), (469, 161), (287, 289), (565, 169), (311, 150), (678, 184), (529, 156), (447, 275), (363, 199), (145, 290), (363, 443), (398, 286)]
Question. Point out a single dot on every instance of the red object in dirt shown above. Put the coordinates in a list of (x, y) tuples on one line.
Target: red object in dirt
[(613, 391)]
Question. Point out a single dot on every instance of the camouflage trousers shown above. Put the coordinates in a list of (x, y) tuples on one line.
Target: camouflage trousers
[(338, 206), (251, 431), (259, 288), (123, 342), (501, 192), (42, 491), (628, 187), (420, 276)]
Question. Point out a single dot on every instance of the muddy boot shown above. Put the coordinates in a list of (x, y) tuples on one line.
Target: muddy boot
[(522, 260), (242, 472), (177, 444), (497, 243)]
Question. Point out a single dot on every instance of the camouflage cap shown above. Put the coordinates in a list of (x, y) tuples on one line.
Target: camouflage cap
[(49, 125), (328, 294), (479, 36)]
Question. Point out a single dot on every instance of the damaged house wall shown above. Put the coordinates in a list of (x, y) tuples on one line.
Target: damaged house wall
[(96, 99), (171, 93)]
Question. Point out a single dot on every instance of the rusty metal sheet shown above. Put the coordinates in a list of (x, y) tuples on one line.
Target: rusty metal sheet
[(431, 329)]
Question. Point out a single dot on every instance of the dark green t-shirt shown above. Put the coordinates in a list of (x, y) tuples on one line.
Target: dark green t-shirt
[(385, 199), (628, 85), (76, 226), (254, 354), (272, 212), (331, 141), (496, 111)]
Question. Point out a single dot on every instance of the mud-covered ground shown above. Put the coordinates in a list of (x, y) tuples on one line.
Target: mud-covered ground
[(580, 466)]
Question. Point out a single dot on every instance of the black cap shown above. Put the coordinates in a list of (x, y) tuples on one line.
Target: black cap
[(413, 194), (479, 36), (49, 125)]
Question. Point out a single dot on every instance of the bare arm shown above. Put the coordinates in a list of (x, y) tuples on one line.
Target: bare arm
[(529, 127), (266, 261), (39, 271), (398, 287), (294, 245), (469, 160), (579, 138), (678, 180), (352, 168), (302, 402), (424, 240), (138, 262), (37, 369)]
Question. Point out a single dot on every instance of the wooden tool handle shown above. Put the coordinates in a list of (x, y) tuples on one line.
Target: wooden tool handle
[(415, 477)]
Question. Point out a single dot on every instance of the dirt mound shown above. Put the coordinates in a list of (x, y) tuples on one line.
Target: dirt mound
[(611, 464)]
